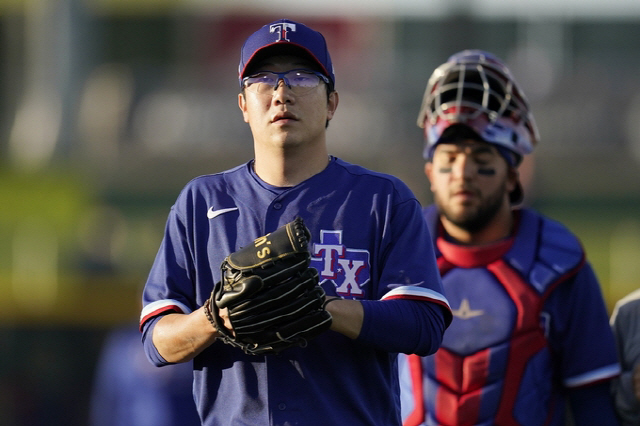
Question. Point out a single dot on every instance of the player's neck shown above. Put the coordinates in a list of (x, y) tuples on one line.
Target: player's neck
[(291, 167)]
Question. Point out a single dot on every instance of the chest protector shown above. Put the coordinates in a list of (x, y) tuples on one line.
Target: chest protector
[(494, 366)]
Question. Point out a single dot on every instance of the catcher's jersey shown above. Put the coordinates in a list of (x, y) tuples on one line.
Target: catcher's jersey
[(369, 242), (528, 315)]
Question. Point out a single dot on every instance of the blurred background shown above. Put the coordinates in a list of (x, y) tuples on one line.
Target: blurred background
[(108, 107)]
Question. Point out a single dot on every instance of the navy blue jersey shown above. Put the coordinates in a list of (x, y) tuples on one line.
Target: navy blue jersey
[(526, 310), (369, 242)]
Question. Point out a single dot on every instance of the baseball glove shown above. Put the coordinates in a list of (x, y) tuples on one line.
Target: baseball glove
[(271, 294)]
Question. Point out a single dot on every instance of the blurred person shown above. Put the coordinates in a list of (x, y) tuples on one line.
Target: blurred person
[(369, 244), (129, 391), (625, 322), (530, 333)]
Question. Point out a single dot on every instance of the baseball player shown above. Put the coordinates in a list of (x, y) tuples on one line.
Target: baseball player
[(368, 243), (625, 323), (530, 334)]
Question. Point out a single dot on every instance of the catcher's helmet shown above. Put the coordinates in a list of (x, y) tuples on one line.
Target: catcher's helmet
[(476, 89)]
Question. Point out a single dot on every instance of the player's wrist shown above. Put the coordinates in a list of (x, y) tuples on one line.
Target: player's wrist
[(206, 308), (329, 300)]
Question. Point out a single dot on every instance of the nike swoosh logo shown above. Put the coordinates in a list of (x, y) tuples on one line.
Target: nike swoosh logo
[(213, 213)]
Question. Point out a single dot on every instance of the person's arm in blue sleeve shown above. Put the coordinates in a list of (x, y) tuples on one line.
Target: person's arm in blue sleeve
[(593, 405), (405, 326)]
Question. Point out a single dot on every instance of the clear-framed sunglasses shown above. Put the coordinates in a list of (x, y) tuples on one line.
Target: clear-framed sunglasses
[(299, 81)]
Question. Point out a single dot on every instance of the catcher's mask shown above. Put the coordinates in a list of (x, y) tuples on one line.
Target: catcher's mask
[(476, 89)]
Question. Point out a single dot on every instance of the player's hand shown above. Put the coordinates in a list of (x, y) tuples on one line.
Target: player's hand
[(347, 315), (223, 320), (224, 315)]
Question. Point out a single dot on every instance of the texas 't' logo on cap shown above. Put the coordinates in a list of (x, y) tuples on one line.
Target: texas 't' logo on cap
[(282, 30), (302, 41)]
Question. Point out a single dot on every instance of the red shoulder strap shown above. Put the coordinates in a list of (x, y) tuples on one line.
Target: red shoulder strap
[(418, 414)]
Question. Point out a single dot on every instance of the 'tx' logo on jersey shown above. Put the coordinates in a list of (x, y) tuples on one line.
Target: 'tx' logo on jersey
[(349, 269)]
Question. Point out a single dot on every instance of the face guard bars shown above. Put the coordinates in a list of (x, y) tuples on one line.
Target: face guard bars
[(476, 89)]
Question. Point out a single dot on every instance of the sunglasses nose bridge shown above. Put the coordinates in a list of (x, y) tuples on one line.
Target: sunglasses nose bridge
[(281, 77)]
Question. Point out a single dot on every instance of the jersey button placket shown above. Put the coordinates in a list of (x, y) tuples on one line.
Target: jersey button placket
[(274, 212)]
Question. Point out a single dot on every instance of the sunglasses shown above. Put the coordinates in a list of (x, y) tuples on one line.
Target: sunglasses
[(299, 81)]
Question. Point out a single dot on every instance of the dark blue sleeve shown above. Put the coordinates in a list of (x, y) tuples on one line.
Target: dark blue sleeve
[(580, 331), (147, 341), (404, 326), (593, 405)]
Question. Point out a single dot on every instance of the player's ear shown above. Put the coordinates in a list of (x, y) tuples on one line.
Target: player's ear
[(332, 104), (242, 103), (428, 170)]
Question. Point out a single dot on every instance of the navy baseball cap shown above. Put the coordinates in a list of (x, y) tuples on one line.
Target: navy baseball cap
[(285, 34)]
